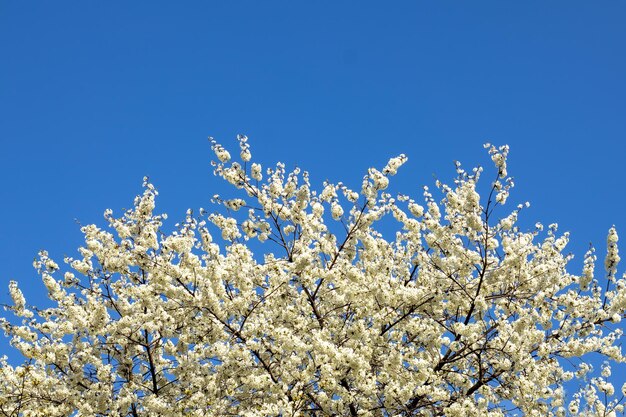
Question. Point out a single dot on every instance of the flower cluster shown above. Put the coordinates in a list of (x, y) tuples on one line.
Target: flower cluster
[(294, 301)]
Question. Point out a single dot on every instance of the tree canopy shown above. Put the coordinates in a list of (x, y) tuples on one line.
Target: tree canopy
[(292, 301)]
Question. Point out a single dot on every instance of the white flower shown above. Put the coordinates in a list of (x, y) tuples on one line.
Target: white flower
[(379, 179), (256, 172), (16, 295), (394, 163), (416, 209), (336, 210)]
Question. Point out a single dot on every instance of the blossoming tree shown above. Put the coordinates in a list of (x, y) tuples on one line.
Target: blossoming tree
[(302, 307)]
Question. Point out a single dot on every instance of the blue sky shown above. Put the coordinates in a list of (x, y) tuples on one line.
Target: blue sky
[(95, 95)]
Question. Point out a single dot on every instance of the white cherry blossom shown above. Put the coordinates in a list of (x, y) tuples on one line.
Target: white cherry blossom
[(297, 300)]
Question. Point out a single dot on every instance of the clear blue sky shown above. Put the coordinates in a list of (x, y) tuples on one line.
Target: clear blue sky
[(95, 95)]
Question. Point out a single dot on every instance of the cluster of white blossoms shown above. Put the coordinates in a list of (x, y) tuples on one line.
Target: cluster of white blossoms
[(291, 302)]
